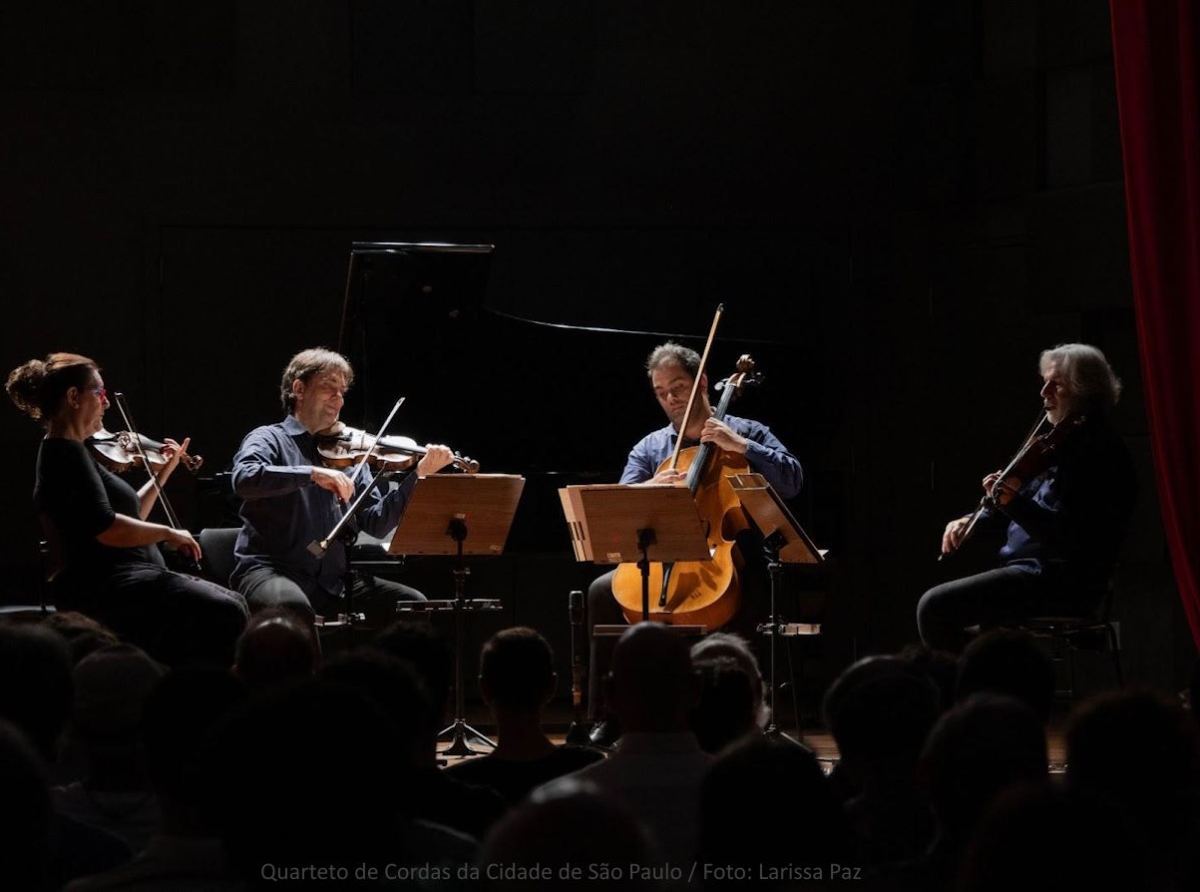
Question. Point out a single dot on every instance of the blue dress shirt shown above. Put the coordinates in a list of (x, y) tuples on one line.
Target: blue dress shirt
[(764, 453), (283, 511)]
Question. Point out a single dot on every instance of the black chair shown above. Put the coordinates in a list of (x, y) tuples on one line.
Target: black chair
[(50, 558), (1068, 634), (216, 546)]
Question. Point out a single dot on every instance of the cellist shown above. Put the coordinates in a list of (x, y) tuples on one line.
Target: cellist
[(672, 370)]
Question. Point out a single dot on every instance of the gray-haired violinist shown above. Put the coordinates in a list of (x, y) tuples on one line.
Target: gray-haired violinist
[(1067, 500), (672, 370), (291, 500)]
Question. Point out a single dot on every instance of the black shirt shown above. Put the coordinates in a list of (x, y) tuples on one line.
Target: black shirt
[(82, 499)]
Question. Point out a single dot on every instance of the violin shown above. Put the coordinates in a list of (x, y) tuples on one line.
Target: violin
[(120, 451), (1032, 459), (342, 447)]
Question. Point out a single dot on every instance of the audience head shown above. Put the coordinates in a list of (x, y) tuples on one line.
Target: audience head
[(82, 633), (181, 711), (1140, 751), (424, 647), (394, 686), (1008, 662), (277, 648), (112, 685), (734, 646), (1041, 835), (37, 687), (807, 825), (651, 686), (880, 710), (573, 824), (939, 667), (277, 785), (976, 751), (516, 671), (726, 710)]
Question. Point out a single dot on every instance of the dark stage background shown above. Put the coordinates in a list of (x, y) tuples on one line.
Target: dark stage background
[(899, 203)]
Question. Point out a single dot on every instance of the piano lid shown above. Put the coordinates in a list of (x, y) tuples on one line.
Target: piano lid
[(557, 403)]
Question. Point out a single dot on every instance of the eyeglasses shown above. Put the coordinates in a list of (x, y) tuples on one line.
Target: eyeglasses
[(100, 392)]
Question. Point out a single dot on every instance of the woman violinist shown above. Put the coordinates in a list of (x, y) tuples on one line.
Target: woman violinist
[(1067, 498), (110, 569)]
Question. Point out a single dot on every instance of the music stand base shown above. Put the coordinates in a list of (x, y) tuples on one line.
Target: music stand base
[(459, 744)]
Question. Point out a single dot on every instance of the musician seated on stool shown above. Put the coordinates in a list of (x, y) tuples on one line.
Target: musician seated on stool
[(1064, 526), (672, 371), (291, 501), (111, 571)]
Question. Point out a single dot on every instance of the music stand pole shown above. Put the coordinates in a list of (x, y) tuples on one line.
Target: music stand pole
[(577, 734), (771, 546), (645, 538), (458, 743)]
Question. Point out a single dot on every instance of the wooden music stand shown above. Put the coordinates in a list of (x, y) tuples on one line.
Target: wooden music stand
[(618, 523), (459, 514), (784, 542)]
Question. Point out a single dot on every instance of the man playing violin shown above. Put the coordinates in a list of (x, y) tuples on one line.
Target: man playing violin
[(672, 370), (1065, 524), (290, 501)]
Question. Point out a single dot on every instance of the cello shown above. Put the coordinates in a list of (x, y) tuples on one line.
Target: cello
[(708, 592)]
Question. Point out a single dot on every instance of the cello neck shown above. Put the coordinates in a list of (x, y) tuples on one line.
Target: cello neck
[(704, 453)]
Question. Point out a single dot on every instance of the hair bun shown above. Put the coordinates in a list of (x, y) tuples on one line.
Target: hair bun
[(24, 387)]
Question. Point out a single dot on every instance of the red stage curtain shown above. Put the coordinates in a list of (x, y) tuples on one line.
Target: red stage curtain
[(1156, 50)]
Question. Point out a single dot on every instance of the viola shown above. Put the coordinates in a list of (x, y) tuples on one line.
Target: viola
[(342, 447), (1033, 458), (708, 592), (120, 451)]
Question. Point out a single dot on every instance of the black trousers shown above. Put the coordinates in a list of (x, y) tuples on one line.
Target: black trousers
[(995, 597), (177, 618), (371, 595)]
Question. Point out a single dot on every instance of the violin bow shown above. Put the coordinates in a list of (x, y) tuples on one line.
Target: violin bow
[(318, 549), (127, 417), (687, 414)]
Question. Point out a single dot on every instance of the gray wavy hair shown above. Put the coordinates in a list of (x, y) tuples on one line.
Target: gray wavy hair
[(1086, 373)]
